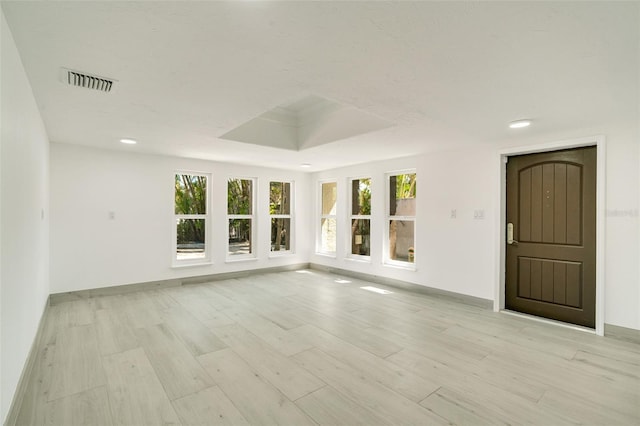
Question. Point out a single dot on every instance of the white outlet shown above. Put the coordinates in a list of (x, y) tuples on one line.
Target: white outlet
[(112, 215), (478, 214), (454, 213)]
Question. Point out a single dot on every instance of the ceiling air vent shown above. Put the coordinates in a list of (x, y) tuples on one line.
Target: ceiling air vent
[(88, 81)]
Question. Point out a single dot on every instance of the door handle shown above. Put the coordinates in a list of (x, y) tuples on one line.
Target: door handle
[(510, 239)]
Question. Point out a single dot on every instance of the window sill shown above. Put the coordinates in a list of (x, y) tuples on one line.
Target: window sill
[(331, 255), (404, 266), (359, 259), (276, 254), (190, 265), (240, 259)]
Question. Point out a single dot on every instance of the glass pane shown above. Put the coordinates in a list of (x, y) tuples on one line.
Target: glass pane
[(401, 240), (239, 196), (360, 237), (329, 198), (239, 236), (328, 236), (190, 194), (361, 196), (402, 200), (280, 234), (279, 198), (190, 239)]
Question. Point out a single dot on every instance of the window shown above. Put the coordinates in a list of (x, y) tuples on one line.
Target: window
[(240, 216), (280, 213), (401, 218), (328, 196), (191, 219), (361, 217)]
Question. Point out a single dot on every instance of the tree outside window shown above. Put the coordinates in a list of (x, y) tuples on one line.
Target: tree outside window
[(280, 214), (240, 216), (191, 217)]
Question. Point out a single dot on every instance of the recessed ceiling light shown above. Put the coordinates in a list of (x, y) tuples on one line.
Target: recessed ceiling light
[(305, 165), (129, 141), (518, 124)]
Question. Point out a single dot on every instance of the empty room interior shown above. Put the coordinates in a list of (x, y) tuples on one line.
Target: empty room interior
[(320, 213)]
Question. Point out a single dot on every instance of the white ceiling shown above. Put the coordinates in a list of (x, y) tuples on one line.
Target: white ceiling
[(448, 75)]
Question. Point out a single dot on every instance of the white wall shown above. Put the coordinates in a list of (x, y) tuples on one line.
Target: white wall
[(458, 254), (24, 252), (622, 250), (88, 250), (451, 254)]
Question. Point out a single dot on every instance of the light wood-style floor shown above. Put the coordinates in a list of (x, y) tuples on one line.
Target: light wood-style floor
[(306, 347)]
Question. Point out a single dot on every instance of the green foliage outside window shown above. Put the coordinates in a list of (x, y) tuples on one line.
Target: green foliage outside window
[(191, 194), (405, 185), (190, 199), (362, 197), (240, 203), (239, 197), (280, 204), (279, 194)]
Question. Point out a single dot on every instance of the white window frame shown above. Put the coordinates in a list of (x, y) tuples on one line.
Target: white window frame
[(387, 261), (253, 255), (351, 217), (321, 216), (284, 216), (206, 260)]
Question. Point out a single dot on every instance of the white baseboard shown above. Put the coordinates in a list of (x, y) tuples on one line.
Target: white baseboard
[(18, 396)]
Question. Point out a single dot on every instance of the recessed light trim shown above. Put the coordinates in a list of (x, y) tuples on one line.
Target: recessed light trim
[(305, 165), (519, 124), (129, 141)]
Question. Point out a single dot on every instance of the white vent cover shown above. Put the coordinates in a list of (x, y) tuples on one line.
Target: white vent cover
[(87, 81)]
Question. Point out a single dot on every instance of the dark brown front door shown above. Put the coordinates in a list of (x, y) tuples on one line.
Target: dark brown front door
[(551, 255)]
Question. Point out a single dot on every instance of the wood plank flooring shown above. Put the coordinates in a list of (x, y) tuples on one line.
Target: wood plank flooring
[(313, 348)]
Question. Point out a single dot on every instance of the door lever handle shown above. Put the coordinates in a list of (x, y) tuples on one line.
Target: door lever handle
[(510, 239)]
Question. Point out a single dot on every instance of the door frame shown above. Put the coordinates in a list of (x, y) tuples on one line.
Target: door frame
[(500, 240)]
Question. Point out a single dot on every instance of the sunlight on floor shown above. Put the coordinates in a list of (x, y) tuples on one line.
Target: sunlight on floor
[(376, 290)]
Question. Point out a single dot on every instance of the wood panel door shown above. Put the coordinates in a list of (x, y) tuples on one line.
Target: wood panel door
[(551, 253)]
